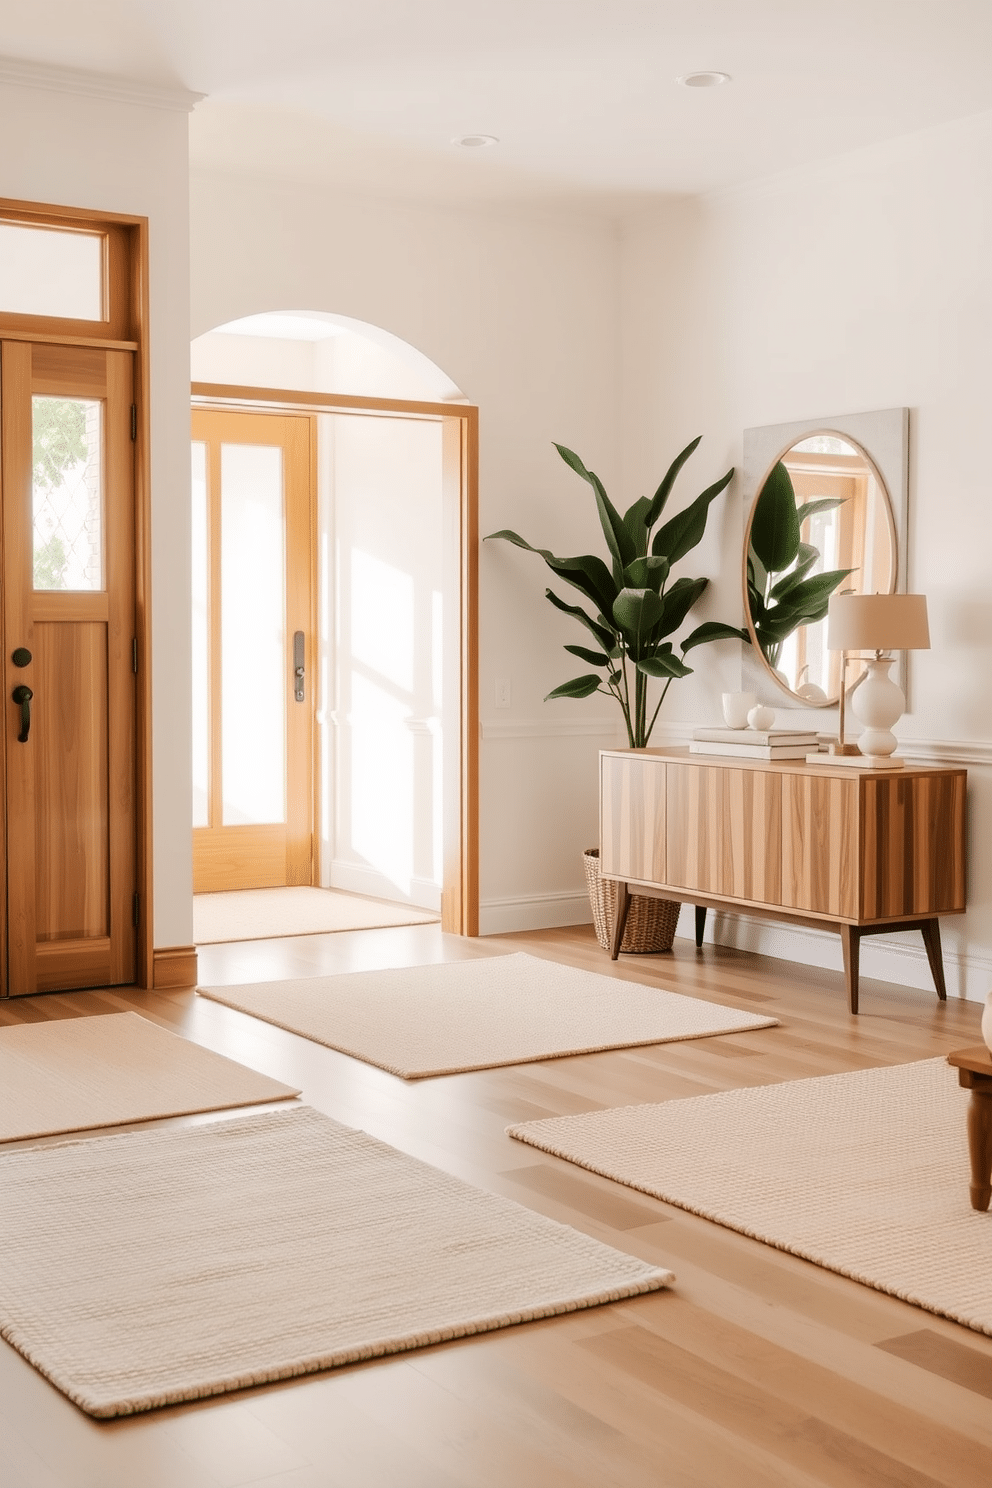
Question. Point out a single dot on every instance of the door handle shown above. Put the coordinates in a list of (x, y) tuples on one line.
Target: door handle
[(299, 665), (22, 697)]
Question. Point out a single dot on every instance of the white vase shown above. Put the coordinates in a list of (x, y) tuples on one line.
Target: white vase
[(987, 1021), (878, 703)]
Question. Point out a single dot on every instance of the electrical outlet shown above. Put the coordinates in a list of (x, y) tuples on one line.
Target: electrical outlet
[(503, 692)]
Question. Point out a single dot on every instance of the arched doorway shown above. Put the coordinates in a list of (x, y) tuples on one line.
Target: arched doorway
[(390, 669)]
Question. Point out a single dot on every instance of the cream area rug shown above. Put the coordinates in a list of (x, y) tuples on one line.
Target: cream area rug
[(264, 914), (465, 1015), (239, 1252), (865, 1173), (78, 1073)]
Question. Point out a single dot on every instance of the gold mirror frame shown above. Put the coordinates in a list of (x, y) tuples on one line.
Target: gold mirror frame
[(883, 439)]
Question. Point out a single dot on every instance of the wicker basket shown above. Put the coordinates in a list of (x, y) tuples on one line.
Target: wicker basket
[(650, 922)]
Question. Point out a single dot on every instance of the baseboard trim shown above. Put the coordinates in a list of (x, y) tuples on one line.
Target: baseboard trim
[(533, 912), (173, 967), (900, 960), (356, 878)]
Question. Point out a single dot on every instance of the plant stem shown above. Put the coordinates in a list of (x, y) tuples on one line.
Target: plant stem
[(657, 710)]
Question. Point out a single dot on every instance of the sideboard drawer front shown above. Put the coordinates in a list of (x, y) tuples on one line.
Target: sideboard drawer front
[(632, 818), (820, 841), (725, 832), (913, 845)]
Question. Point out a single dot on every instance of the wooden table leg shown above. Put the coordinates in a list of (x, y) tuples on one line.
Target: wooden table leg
[(931, 939), (700, 924), (980, 1148), (620, 924), (850, 939)]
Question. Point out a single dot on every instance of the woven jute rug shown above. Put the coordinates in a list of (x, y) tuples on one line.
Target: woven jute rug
[(233, 1253), (464, 1015), (76, 1073), (865, 1173), (264, 914)]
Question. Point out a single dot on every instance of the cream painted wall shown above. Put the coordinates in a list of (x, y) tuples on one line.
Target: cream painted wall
[(862, 284), (519, 310), (96, 152)]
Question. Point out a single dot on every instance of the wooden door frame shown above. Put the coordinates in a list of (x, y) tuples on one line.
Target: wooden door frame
[(125, 329), (460, 478)]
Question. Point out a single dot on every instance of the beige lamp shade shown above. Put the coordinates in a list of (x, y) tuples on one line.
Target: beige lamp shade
[(878, 622)]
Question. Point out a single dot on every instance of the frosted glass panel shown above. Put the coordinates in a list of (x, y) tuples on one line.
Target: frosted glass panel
[(201, 641), (67, 493), (47, 272), (253, 635)]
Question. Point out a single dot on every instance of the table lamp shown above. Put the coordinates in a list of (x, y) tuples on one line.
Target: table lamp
[(878, 623)]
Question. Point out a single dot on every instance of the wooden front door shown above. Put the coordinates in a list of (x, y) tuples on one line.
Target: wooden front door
[(69, 667), (253, 651)]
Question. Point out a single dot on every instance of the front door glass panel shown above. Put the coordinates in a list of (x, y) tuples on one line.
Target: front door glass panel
[(253, 635), (67, 493)]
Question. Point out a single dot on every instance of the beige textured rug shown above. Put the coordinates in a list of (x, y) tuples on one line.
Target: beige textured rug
[(264, 914), (78, 1073), (863, 1173), (239, 1252), (464, 1015)]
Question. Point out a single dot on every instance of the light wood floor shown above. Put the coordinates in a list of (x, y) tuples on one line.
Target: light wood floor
[(757, 1369)]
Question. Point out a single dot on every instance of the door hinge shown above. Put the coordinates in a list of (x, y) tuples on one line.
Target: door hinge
[(134, 421), (136, 910), (134, 654)]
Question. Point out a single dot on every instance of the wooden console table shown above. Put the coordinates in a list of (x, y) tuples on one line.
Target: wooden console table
[(817, 845)]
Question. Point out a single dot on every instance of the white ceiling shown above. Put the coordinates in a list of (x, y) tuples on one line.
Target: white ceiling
[(581, 93)]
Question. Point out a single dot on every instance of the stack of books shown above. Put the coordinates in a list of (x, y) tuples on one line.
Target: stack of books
[(757, 744)]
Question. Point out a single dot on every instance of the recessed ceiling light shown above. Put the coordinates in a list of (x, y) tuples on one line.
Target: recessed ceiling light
[(704, 79), (475, 141)]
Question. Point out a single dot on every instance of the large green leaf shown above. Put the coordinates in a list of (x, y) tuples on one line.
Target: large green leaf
[(680, 535), (713, 630), (617, 537), (679, 600), (664, 665), (807, 559), (637, 612), (775, 523), (588, 573), (822, 503), (646, 573), (811, 593), (594, 658), (635, 521), (605, 637), (579, 687), (665, 489)]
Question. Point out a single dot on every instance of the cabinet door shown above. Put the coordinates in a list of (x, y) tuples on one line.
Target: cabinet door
[(725, 832), (913, 845), (632, 817), (820, 868)]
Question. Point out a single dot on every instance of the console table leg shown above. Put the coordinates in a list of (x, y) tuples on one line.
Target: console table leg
[(980, 1148), (700, 924), (620, 924), (850, 939), (931, 939)]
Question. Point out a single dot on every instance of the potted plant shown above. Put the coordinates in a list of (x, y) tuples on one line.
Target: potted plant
[(635, 610), (632, 611)]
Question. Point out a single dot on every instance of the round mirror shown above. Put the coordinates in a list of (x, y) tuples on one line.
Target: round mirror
[(821, 524)]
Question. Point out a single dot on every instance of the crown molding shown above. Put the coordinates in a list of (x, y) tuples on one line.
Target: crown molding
[(19, 74)]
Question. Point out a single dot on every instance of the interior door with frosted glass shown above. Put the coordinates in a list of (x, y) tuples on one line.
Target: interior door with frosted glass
[(68, 609), (253, 706)]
